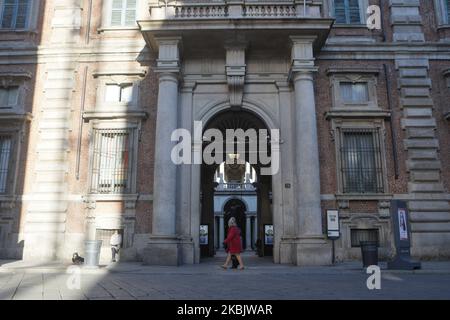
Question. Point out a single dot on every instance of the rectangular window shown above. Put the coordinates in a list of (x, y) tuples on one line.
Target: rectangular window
[(111, 172), (123, 13), (8, 97), (119, 93), (363, 235), (14, 14), (361, 162), (347, 12), (354, 92), (5, 155)]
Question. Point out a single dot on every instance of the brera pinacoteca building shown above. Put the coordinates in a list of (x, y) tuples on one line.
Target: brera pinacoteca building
[(91, 92)]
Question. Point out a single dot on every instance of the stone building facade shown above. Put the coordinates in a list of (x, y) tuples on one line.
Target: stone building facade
[(91, 91)]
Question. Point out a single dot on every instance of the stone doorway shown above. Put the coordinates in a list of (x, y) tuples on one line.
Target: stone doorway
[(236, 188)]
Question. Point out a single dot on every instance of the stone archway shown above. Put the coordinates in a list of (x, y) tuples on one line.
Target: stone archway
[(234, 120)]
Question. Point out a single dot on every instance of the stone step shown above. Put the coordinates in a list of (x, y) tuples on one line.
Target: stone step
[(412, 63), (46, 217), (48, 206), (421, 143), (418, 123), (54, 177), (430, 227), (60, 134), (425, 187), (423, 165), (56, 104), (54, 124), (425, 176), (429, 206), (64, 83), (418, 112), (413, 73), (59, 94), (52, 155), (50, 145), (429, 216), (417, 102), (56, 114), (52, 166), (50, 187), (423, 154), (415, 82), (415, 92), (412, 133), (45, 227)]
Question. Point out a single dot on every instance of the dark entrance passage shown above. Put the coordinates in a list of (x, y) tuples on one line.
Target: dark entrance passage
[(236, 181)]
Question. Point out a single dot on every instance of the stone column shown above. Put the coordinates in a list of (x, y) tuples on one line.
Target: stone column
[(164, 245), (311, 249), (216, 241), (248, 233), (255, 231), (221, 232)]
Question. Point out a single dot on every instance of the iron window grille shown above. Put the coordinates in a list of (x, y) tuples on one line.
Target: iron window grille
[(347, 11), (361, 161), (123, 13), (5, 155), (14, 14), (362, 235), (111, 170)]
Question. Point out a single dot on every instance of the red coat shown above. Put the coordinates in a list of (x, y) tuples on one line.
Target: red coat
[(233, 240)]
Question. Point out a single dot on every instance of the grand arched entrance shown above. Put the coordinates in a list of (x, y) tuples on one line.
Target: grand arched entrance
[(235, 186)]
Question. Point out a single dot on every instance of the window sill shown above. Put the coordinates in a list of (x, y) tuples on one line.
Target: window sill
[(19, 31), (110, 197), (8, 115), (358, 113), (364, 197), (116, 29), (352, 26), (111, 114)]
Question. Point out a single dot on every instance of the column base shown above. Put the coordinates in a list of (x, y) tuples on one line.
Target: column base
[(313, 251), (162, 251)]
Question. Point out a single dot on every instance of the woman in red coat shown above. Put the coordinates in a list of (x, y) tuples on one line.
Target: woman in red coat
[(234, 243)]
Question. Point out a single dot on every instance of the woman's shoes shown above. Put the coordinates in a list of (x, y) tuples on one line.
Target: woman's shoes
[(241, 268), (224, 267)]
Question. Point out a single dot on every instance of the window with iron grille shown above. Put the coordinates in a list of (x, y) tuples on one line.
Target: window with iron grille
[(6, 143), (363, 235), (105, 235), (123, 13), (14, 14), (111, 170), (347, 11), (361, 161)]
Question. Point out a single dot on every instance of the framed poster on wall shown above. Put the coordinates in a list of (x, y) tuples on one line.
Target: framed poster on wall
[(268, 234), (204, 234)]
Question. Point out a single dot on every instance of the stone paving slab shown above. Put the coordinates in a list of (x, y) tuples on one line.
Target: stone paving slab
[(260, 280)]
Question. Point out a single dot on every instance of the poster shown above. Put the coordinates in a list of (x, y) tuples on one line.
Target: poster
[(204, 234), (333, 223), (268, 234), (402, 224)]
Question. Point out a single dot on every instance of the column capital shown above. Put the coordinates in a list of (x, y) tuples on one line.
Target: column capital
[(169, 54), (302, 57), (302, 73)]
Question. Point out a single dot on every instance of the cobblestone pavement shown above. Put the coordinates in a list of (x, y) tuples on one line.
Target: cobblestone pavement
[(259, 281)]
